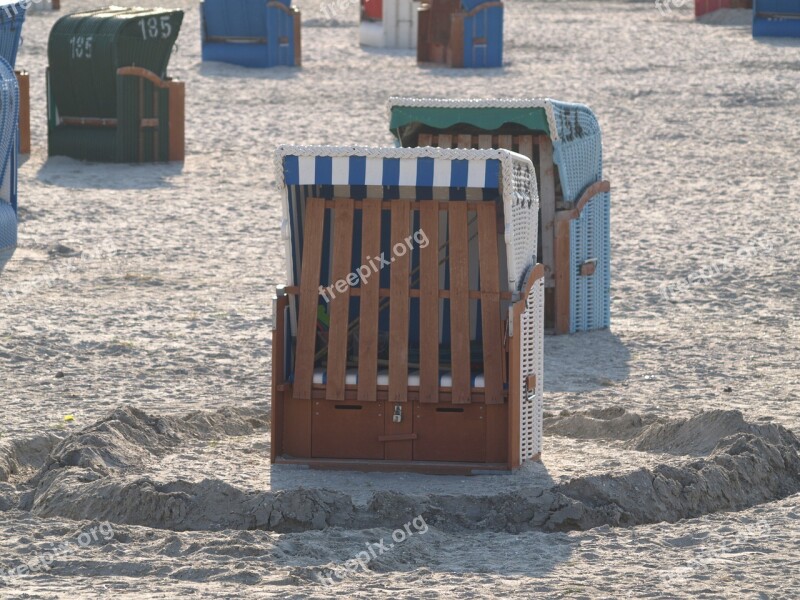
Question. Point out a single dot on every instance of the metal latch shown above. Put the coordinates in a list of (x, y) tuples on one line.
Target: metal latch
[(397, 417)]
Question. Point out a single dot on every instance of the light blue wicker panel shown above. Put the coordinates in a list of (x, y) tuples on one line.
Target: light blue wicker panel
[(8, 232), (579, 155), (590, 295)]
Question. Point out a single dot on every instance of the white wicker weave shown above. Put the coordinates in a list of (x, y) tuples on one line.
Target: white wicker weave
[(531, 340)]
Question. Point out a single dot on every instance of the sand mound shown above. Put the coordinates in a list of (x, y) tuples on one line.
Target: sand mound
[(699, 435), (128, 437), (16, 456), (695, 436), (101, 473), (608, 423)]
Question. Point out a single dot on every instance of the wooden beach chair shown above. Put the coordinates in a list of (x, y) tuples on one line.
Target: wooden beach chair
[(564, 142), (461, 33), (433, 360)]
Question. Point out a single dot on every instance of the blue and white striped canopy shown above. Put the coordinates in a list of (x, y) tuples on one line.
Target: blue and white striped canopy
[(416, 172)]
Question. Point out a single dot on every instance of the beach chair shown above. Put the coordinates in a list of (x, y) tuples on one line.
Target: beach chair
[(461, 33), (776, 18), (703, 7), (12, 17), (250, 33), (564, 142), (389, 23), (108, 96), (410, 333), (9, 106)]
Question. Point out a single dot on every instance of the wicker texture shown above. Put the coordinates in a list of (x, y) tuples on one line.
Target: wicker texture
[(12, 16), (579, 155), (9, 109), (531, 340)]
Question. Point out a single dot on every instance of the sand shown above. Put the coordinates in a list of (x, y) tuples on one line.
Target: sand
[(138, 304)]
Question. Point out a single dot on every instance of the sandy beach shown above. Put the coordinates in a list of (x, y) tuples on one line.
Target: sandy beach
[(135, 351)]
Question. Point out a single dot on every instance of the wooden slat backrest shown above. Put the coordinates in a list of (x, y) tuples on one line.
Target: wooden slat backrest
[(459, 301), (399, 302), (309, 297), (368, 317), (429, 304), (340, 302), (490, 303), (463, 221)]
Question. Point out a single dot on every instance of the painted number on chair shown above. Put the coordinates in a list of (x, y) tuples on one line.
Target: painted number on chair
[(155, 27), (81, 46)]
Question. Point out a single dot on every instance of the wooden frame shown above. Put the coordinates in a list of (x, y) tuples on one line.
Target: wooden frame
[(441, 31), (555, 214), (440, 429), (24, 82)]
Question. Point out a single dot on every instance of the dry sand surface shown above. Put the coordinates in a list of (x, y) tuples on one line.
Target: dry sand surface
[(139, 303)]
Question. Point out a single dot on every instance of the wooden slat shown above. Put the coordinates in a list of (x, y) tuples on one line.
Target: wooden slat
[(444, 141), (399, 304), (506, 142), (562, 276), (368, 319), (425, 139), (429, 304), (465, 141), (485, 142), (413, 293), (177, 102), (547, 211), (459, 302), (340, 301), (490, 304), (309, 297), (525, 143)]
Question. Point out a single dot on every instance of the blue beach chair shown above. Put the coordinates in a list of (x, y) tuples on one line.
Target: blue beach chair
[(776, 18), (9, 105), (461, 33), (250, 33)]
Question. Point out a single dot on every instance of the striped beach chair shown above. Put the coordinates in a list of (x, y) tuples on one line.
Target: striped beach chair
[(250, 33), (461, 33), (12, 17), (564, 142), (9, 105), (409, 335)]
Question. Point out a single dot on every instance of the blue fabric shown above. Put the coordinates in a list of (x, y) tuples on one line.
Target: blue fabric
[(12, 16)]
